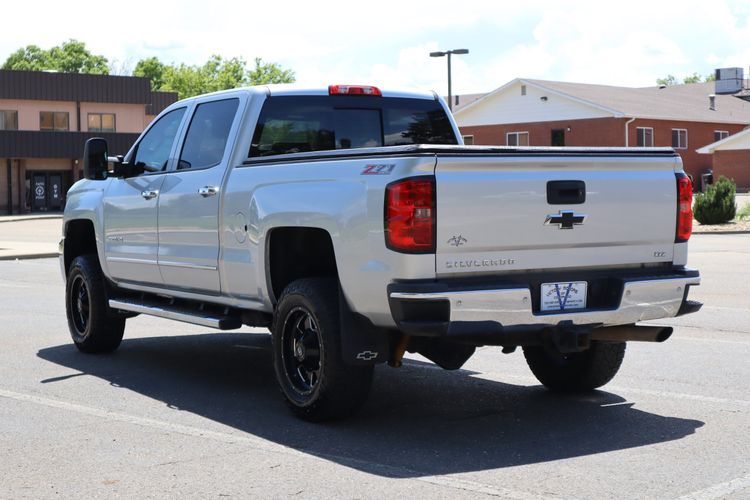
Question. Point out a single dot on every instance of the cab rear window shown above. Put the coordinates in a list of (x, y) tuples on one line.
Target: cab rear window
[(295, 124)]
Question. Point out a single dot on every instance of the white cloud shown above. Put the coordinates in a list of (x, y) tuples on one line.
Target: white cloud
[(388, 42)]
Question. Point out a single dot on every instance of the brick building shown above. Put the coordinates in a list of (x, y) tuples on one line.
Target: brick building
[(731, 158), (547, 113), (45, 119)]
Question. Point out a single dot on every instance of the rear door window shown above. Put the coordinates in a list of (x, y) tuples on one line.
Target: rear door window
[(294, 124), (207, 135)]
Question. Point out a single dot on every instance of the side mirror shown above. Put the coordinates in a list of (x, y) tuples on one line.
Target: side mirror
[(95, 159)]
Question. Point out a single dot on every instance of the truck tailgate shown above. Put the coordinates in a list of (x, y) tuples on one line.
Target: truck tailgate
[(494, 213)]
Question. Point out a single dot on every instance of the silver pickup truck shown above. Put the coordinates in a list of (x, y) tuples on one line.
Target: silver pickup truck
[(354, 224)]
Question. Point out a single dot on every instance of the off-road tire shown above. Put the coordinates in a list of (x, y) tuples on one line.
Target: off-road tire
[(575, 372), (94, 327), (310, 307)]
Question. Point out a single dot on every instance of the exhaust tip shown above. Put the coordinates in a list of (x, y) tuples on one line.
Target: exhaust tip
[(664, 334)]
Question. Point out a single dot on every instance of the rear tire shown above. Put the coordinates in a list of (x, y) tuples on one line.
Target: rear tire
[(579, 371), (94, 327), (312, 374)]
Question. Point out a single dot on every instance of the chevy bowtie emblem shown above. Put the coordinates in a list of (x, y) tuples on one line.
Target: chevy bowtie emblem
[(565, 219), (367, 355)]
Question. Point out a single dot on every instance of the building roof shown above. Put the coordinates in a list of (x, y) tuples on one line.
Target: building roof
[(459, 101), (740, 140), (52, 86), (686, 102)]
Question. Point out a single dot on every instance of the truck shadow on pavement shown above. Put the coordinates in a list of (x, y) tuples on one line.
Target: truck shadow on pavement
[(419, 420)]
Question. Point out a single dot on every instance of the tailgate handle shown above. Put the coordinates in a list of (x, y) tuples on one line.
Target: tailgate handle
[(566, 192)]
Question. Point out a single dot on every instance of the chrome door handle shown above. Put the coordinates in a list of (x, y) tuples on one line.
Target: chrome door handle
[(149, 194), (207, 191)]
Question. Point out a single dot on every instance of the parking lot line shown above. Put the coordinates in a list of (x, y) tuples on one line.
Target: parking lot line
[(720, 490), (256, 443)]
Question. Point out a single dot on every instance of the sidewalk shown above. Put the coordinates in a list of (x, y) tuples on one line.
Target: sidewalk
[(24, 217), (29, 236)]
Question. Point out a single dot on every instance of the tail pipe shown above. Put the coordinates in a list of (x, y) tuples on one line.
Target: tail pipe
[(629, 333)]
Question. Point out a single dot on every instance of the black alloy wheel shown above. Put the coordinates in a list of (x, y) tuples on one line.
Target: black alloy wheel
[(302, 351), (311, 372), (94, 327)]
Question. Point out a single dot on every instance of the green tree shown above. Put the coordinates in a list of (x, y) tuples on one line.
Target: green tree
[(694, 78), (265, 73), (216, 74), (69, 57), (29, 58), (153, 69), (668, 80)]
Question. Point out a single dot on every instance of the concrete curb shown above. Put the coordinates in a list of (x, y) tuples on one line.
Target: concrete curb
[(30, 256), (723, 232), (22, 218)]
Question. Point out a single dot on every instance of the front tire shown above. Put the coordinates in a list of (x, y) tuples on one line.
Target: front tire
[(94, 327), (576, 372), (312, 374)]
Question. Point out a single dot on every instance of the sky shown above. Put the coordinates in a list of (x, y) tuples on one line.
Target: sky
[(387, 43)]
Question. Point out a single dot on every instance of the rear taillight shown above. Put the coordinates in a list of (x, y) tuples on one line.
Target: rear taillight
[(353, 90), (684, 208), (410, 215)]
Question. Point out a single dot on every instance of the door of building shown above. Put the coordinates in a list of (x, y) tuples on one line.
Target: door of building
[(39, 192), (47, 190)]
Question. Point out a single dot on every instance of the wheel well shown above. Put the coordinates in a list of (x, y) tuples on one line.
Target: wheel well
[(298, 252), (80, 239)]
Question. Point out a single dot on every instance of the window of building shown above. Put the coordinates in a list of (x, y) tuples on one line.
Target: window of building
[(557, 137), (8, 120), (523, 89), (468, 140), (644, 137), (53, 120), (679, 138), (517, 138), (101, 122), (720, 134), (208, 133)]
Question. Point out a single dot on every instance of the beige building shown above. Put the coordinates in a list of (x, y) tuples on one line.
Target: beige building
[(45, 119)]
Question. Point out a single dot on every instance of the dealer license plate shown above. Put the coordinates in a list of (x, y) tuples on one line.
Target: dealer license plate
[(563, 296)]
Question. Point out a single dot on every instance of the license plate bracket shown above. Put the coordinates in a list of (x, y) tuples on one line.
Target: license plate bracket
[(563, 296)]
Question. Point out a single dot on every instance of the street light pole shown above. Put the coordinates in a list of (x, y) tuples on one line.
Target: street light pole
[(449, 53)]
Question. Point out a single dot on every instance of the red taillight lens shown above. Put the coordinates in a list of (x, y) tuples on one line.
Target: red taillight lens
[(410, 215), (353, 90), (684, 208)]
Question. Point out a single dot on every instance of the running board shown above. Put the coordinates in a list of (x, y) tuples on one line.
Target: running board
[(184, 314)]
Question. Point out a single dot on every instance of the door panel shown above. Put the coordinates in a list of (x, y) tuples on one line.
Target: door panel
[(130, 232), (189, 200), (189, 231), (131, 240)]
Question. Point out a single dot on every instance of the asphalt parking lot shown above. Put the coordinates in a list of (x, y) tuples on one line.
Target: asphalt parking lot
[(181, 411)]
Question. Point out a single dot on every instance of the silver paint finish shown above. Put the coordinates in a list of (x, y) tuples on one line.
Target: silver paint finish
[(213, 247), (500, 204), (130, 228)]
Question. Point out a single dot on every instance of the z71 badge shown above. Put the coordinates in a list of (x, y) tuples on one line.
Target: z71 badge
[(378, 169)]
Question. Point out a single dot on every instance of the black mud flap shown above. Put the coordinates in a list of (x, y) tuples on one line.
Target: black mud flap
[(362, 343)]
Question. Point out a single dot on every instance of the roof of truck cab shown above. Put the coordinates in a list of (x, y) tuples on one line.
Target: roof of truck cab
[(301, 90)]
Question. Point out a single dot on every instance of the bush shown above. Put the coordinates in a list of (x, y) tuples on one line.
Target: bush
[(744, 214), (716, 205)]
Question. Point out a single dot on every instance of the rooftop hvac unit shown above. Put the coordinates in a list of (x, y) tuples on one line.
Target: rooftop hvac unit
[(729, 80)]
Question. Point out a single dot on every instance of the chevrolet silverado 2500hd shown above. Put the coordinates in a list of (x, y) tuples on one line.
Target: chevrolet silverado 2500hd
[(355, 226)]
